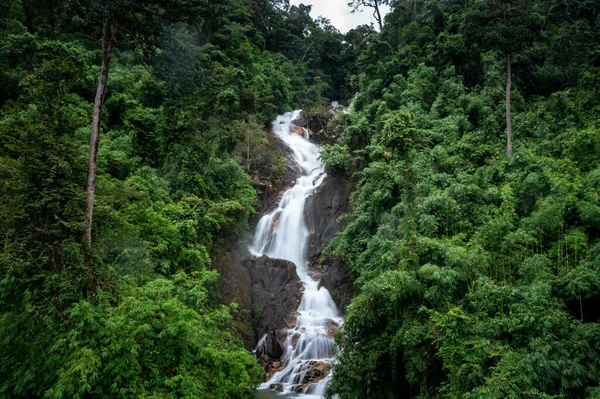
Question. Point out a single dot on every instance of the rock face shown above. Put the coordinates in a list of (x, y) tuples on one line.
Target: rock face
[(317, 124), (267, 290), (322, 210), (268, 197), (276, 294), (316, 372), (270, 289)]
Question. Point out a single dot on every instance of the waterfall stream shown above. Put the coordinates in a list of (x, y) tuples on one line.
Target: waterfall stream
[(283, 234)]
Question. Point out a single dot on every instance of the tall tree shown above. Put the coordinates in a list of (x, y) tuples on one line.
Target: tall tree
[(512, 27), (508, 116), (374, 4), (140, 23), (109, 37)]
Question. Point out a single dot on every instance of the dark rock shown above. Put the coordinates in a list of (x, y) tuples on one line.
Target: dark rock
[(316, 124), (319, 127), (236, 286), (276, 293), (336, 281), (276, 387), (322, 210), (270, 292), (301, 121)]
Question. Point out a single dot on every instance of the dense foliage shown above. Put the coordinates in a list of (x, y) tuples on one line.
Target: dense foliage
[(183, 149), (476, 274)]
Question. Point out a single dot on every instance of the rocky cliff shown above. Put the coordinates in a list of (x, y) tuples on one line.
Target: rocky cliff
[(321, 213), (268, 291)]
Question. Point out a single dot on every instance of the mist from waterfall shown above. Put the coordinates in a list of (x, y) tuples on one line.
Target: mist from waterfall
[(283, 234)]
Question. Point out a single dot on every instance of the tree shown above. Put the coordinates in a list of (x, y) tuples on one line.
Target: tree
[(140, 23), (109, 37), (512, 27), (508, 118), (374, 4)]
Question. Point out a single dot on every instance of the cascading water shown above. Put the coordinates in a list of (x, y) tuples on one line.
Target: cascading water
[(283, 234)]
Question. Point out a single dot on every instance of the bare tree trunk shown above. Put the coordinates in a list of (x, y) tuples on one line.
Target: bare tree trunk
[(108, 40), (377, 15), (508, 122)]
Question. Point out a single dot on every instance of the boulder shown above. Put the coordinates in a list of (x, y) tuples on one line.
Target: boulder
[(315, 372), (297, 130), (319, 127), (317, 124), (276, 387), (301, 121), (276, 292), (270, 292)]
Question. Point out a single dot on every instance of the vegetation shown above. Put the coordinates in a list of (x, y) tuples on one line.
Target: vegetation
[(473, 241), (476, 274), (178, 95)]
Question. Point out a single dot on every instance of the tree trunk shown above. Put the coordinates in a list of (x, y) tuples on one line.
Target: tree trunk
[(377, 16), (508, 122), (108, 40)]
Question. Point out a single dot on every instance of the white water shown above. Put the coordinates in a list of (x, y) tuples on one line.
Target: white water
[(283, 234)]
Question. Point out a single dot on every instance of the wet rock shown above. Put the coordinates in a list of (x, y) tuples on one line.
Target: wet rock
[(319, 127), (332, 327), (315, 372), (270, 291), (322, 210), (276, 292), (317, 124), (298, 130), (335, 279), (301, 121), (276, 387)]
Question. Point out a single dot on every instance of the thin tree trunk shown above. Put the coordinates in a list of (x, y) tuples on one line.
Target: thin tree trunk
[(306, 52), (377, 16), (508, 122), (108, 40)]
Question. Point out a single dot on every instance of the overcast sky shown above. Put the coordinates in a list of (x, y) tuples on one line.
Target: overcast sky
[(339, 13)]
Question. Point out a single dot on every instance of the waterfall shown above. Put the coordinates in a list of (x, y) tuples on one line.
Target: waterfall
[(283, 234)]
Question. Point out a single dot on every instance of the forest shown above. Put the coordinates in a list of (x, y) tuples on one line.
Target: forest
[(135, 153)]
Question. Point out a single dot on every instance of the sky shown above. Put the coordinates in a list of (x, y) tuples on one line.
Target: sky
[(339, 13)]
